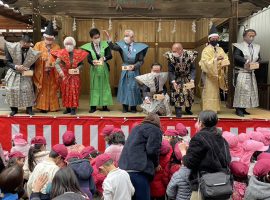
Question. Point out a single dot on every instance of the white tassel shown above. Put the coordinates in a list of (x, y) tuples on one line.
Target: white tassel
[(159, 26), (93, 23), (74, 27), (210, 24), (174, 27), (54, 23), (193, 26), (110, 24)]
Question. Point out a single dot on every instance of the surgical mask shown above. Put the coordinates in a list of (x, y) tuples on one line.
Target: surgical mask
[(69, 48), (127, 40), (96, 41), (250, 40), (177, 55), (48, 42), (213, 43)]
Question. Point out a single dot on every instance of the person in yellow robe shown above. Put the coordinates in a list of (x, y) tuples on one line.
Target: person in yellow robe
[(45, 75), (213, 63)]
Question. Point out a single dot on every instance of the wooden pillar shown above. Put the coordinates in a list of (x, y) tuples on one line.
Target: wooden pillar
[(36, 20), (233, 29)]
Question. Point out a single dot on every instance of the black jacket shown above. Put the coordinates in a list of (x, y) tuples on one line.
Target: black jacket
[(141, 150), (207, 153)]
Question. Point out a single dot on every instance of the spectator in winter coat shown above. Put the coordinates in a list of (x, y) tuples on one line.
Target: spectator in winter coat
[(49, 166), (208, 151), (175, 161), (179, 186), (91, 153), (159, 184), (140, 156), (239, 171), (116, 142), (83, 171), (259, 183), (69, 141), (36, 154)]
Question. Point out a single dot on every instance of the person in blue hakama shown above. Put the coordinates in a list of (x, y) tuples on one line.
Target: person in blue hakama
[(132, 54)]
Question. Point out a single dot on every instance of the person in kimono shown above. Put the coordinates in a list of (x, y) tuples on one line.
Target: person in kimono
[(182, 71), (98, 57), (246, 54), (68, 64), (155, 97), (213, 62), (19, 84), (132, 54), (45, 75)]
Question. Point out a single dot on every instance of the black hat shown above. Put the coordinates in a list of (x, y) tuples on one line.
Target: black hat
[(26, 38), (213, 32), (49, 32)]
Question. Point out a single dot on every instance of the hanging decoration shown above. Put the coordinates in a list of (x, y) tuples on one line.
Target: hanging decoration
[(174, 27), (110, 24), (210, 23), (54, 23), (74, 27), (93, 23), (193, 26), (159, 26)]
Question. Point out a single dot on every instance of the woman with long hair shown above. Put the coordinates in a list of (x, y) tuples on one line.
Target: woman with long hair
[(36, 154), (65, 183)]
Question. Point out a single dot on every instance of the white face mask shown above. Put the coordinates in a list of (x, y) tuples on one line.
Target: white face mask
[(127, 40), (96, 41), (176, 55), (69, 48)]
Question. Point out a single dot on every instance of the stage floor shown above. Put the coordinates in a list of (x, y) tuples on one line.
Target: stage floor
[(116, 111)]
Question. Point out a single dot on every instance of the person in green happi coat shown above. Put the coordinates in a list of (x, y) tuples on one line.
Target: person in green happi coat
[(99, 54)]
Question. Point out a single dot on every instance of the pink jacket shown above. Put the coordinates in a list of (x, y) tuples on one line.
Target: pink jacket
[(115, 151)]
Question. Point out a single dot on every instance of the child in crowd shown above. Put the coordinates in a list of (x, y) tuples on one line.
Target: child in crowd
[(37, 153), (239, 171), (159, 184), (83, 171), (117, 184), (91, 153), (11, 183), (179, 186), (69, 141), (20, 144), (172, 136), (50, 166), (106, 132), (175, 161), (259, 183), (16, 157), (182, 132), (116, 142)]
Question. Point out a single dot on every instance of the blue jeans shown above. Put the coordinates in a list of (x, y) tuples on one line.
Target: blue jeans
[(141, 184)]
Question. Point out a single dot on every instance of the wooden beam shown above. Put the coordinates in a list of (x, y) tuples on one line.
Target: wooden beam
[(233, 28), (36, 21)]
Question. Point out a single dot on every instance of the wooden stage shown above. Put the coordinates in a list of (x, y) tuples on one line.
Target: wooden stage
[(116, 111)]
